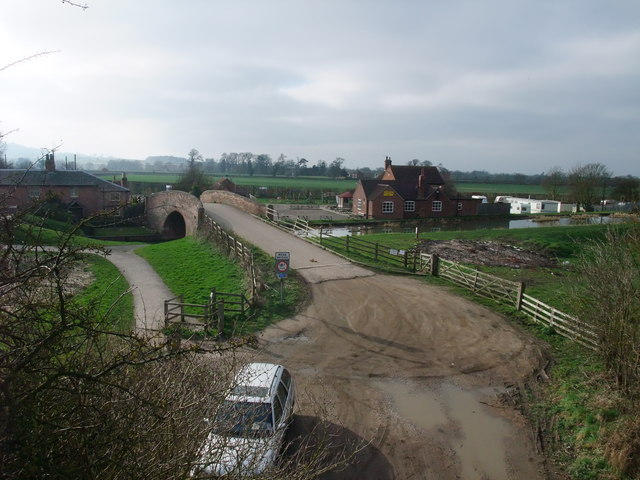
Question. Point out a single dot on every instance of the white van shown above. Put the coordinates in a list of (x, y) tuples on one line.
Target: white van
[(250, 425)]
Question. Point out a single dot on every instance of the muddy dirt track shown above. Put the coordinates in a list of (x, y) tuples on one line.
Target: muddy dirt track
[(412, 369)]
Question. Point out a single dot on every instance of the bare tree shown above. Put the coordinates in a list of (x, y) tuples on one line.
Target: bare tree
[(587, 184), (553, 179), (193, 180)]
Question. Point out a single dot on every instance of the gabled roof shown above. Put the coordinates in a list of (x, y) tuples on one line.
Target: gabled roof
[(57, 178), (406, 190), (345, 195), (407, 173)]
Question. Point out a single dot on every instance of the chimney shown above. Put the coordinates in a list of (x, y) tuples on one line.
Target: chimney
[(387, 163), (124, 181), (49, 162), (422, 184)]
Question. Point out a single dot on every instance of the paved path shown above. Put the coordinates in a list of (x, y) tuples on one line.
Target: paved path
[(313, 263), (149, 291)]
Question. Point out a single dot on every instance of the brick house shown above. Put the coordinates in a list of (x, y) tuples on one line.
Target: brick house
[(402, 192), (82, 193)]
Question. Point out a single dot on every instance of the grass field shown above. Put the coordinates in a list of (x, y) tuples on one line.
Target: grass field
[(335, 185), (106, 291), (192, 268)]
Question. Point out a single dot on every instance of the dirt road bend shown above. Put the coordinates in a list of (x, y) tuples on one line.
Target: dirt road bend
[(410, 368)]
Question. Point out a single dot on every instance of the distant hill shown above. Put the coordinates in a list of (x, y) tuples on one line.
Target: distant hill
[(15, 151), (165, 159)]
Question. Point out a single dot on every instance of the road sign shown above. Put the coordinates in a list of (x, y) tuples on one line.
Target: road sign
[(282, 266), (283, 256)]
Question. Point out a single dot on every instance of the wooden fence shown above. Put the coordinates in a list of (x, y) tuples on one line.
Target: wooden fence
[(404, 259), (566, 325), (233, 247), (489, 286), (205, 316)]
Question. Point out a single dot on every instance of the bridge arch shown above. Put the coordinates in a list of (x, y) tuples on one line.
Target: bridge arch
[(173, 214)]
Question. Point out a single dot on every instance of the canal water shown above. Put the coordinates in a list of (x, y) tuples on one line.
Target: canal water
[(437, 225)]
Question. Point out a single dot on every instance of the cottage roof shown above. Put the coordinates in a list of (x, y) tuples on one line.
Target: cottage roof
[(406, 190), (345, 195), (407, 173), (60, 178)]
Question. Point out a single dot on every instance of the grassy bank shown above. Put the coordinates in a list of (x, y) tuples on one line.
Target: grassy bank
[(191, 268), (107, 291)]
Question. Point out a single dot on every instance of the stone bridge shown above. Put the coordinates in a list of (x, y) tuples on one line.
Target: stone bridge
[(175, 214)]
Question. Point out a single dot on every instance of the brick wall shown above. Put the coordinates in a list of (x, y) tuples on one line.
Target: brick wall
[(228, 198)]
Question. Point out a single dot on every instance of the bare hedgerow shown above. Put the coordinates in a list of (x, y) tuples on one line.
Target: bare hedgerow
[(82, 398), (609, 301)]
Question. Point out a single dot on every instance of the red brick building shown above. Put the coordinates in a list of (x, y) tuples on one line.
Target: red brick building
[(408, 192), (82, 193)]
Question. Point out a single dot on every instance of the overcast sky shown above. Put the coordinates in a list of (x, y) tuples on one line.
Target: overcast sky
[(497, 85)]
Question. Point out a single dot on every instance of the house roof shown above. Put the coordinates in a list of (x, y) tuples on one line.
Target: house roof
[(345, 195), (406, 190), (59, 178), (408, 173)]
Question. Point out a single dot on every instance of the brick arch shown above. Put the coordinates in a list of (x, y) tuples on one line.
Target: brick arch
[(229, 198), (174, 214)]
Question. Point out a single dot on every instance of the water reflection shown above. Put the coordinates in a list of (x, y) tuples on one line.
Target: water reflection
[(437, 225)]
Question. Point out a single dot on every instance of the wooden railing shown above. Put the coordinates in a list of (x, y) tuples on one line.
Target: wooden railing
[(566, 325), (206, 316), (233, 247), (404, 259)]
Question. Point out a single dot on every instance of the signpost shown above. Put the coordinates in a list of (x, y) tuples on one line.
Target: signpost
[(282, 267)]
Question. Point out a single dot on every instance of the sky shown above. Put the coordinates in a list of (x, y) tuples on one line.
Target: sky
[(506, 86)]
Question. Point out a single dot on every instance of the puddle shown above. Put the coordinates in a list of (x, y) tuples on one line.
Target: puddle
[(478, 437)]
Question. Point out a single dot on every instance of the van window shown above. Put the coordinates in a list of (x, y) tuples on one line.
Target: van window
[(282, 393), (286, 378), (277, 411)]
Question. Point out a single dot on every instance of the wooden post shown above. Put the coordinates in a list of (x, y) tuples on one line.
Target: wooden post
[(182, 308), (415, 260), (519, 294), (320, 234), (435, 264), (221, 318), (406, 254), (347, 242), (166, 314), (375, 256)]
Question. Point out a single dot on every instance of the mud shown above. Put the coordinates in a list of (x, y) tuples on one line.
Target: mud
[(488, 253), (414, 372)]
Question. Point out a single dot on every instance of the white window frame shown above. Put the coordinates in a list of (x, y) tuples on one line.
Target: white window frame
[(459, 205), (387, 207), (114, 196), (73, 192), (436, 206), (359, 204), (409, 206), (35, 192)]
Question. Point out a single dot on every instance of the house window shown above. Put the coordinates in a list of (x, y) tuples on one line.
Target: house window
[(387, 207), (359, 204), (459, 205), (409, 206), (74, 192), (114, 196), (436, 206), (34, 192)]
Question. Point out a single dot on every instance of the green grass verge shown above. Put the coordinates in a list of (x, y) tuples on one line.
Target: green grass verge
[(191, 268), (106, 291)]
